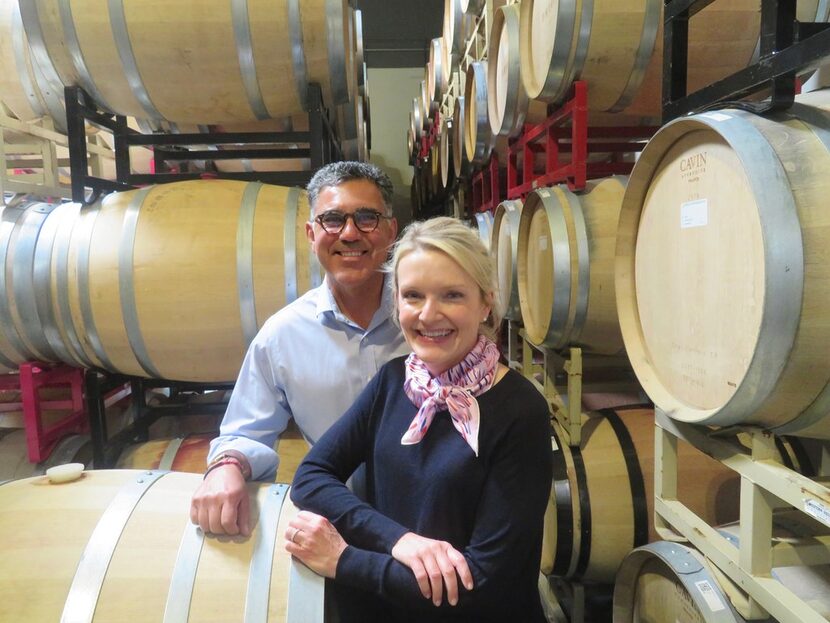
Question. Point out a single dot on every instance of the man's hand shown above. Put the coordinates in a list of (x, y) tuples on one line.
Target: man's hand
[(435, 564), (220, 505), (315, 542)]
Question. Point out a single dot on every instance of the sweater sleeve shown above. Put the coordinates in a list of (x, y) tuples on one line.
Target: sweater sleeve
[(507, 534), (318, 484)]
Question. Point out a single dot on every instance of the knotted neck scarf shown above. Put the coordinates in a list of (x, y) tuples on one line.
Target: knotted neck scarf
[(454, 390)]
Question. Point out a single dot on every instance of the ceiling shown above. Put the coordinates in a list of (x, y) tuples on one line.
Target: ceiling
[(396, 33)]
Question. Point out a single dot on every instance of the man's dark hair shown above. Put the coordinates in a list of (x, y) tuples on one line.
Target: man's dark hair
[(337, 173)]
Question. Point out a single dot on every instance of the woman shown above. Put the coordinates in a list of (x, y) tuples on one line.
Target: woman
[(457, 449)]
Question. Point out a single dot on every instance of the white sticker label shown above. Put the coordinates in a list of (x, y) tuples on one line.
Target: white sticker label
[(717, 116), (710, 596), (543, 243), (553, 445), (818, 510), (694, 214)]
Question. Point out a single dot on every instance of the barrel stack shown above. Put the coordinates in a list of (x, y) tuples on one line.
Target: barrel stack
[(243, 69), (171, 281), (725, 334)]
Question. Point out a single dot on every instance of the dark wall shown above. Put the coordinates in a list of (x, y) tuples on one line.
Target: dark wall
[(396, 33)]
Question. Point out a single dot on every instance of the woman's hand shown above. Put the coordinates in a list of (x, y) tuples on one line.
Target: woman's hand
[(435, 564), (315, 542)]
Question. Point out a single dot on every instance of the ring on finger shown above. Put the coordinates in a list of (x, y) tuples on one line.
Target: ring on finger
[(294, 536)]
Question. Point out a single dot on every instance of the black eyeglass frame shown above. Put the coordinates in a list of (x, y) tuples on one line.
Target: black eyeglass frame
[(346, 216)]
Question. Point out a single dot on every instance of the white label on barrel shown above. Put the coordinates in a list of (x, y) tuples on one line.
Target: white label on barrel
[(694, 214), (543, 243), (710, 596), (553, 445), (717, 116), (818, 510)]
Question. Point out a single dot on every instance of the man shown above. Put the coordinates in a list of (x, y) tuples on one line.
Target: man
[(311, 359)]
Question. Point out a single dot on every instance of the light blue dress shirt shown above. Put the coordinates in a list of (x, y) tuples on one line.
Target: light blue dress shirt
[(309, 362)]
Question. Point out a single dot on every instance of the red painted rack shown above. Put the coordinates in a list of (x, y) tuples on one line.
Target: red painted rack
[(487, 186), (428, 138), (557, 151), (554, 140), (29, 380)]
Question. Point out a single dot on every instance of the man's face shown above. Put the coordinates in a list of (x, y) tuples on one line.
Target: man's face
[(351, 258)]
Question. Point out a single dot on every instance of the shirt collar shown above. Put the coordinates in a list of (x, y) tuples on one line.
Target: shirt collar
[(327, 305)]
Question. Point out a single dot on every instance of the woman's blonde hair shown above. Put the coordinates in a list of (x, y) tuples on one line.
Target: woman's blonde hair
[(462, 245)]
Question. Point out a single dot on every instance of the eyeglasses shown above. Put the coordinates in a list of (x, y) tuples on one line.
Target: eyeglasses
[(366, 220)]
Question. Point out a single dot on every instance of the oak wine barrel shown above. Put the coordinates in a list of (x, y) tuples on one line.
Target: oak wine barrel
[(460, 163), (508, 103), (24, 88), (435, 167), (205, 62), (667, 582), (504, 249), (22, 337), (415, 119), (617, 48), (189, 453), (602, 497), (169, 281), (484, 223), (722, 277), (428, 107), (353, 69), (360, 56), (118, 545), (566, 247), (452, 33), (458, 206), (181, 454), (478, 136), (437, 76)]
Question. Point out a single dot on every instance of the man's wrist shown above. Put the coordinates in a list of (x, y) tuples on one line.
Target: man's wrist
[(231, 457)]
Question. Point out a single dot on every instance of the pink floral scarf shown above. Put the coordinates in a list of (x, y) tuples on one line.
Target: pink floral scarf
[(453, 390)]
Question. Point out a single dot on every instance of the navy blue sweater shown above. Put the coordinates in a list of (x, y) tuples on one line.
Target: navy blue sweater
[(489, 507)]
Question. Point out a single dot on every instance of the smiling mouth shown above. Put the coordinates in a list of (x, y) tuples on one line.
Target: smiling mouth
[(350, 253), (436, 334)]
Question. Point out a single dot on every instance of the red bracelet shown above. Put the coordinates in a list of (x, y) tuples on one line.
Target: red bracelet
[(225, 460)]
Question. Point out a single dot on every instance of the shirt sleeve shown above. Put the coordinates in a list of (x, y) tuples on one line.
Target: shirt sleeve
[(506, 535), (257, 412), (319, 481)]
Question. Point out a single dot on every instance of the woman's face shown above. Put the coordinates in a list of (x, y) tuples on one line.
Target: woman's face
[(440, 308)]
